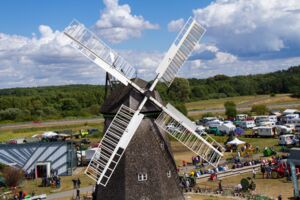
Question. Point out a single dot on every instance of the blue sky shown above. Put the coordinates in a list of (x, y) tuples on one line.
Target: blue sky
[(243, 37)]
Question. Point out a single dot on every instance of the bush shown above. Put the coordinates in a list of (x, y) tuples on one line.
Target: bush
[(208, 114), (12, 176)]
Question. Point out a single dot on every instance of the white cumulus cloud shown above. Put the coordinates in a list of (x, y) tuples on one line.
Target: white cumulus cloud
[(253, 28), (117, 23), (175, 25)]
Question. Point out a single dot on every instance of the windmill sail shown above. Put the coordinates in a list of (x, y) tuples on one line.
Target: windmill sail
[(179, 51), (113, 145), (181, 128), (97, 51)]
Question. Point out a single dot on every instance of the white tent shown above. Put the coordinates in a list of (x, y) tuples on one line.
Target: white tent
[(236, 141)]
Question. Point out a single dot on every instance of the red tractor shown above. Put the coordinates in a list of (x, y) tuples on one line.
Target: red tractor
[(282, 169)]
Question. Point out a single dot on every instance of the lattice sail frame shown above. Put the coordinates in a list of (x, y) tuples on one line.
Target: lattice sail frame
[(179, 51), (181, 128), (113, 145), (97, 51)]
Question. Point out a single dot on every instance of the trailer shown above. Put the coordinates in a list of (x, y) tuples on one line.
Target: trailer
[(264, 131)]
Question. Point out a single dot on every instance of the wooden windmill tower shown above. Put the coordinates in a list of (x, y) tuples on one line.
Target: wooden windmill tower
[(133, 160)]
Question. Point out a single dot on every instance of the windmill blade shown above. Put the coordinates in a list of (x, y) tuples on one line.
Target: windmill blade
[(113, 145), (97, 51), (179, 51), (179, 127)]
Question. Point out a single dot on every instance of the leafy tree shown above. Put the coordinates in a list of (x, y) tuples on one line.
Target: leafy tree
[(68, 104), (230, 109), (260, 109), (10, 114), (200, 91), (179, 90)]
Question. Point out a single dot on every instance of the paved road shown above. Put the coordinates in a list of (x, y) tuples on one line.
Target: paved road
[(244, 108), (69, 193), (49, 123)]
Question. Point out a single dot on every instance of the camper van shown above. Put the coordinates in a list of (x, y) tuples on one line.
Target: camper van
[(247, 124), (288, 140), (287, 118), (295, 121), (227, 128), (265, 131), (262, 120), (282, 130), (297, 129)]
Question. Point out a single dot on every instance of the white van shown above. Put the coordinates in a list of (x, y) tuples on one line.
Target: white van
[(247, 124), (288, 139)]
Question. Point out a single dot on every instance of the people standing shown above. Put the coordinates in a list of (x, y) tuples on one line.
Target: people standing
[(74, 183), (220, 186), (253, 173), (78, 183), (263, 170), (77, 194)]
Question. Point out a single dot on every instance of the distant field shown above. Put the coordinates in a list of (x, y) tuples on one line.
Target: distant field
[(244, 103)]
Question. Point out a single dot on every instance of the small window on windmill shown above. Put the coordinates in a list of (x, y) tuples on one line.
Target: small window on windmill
[(162, 145), (142, 176), (169, 174)]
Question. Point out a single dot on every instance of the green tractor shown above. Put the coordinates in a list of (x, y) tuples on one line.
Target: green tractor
[(269, 152), (248, 184)]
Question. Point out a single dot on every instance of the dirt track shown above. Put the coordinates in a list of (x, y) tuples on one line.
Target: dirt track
[(245, 107)]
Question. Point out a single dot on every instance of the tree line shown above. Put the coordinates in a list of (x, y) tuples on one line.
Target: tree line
[(55, 102), (220, 86)]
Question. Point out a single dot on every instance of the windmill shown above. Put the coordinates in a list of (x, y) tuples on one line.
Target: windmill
[(126, 121)]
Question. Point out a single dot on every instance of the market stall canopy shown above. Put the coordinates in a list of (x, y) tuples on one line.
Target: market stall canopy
[(236, 141), (49, 134)]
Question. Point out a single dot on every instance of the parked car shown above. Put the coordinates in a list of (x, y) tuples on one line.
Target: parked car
[(214, 123), (200, 129)]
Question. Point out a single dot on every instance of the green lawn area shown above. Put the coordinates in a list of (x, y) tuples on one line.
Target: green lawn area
[(66, 184)]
